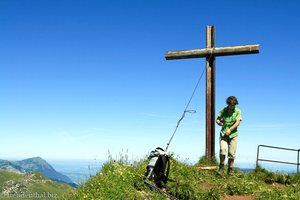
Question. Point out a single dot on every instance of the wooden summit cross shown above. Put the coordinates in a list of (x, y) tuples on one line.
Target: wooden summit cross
[(210, 52)]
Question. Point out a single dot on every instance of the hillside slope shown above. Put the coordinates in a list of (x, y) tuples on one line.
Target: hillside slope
[(119, 180), (31, 186)]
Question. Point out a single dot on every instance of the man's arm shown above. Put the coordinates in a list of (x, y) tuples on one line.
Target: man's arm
[(233, 127), (219, 122)]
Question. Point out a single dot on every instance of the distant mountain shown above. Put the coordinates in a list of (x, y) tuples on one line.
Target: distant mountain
[(36, 164), (10, 167)]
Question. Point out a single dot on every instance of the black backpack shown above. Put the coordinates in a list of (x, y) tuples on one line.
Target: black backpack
[(158, 167)]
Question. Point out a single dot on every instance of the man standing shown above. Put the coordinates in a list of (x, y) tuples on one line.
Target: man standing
[(229, 118)]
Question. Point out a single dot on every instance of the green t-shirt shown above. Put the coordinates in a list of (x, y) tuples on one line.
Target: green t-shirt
[(229, 120)]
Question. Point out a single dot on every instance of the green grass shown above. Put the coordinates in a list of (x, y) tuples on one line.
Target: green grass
[(32, 186), (120, 180)]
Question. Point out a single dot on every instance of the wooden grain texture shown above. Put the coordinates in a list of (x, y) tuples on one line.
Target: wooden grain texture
[(210, 94), (218, 51)]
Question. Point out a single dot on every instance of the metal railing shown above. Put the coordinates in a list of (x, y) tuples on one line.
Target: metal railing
[(277, 161)]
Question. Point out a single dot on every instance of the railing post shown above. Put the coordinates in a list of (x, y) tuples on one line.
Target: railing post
[(298, 162), (258, 156)]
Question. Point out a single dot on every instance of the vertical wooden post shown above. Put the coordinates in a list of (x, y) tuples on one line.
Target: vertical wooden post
[(210, 94)]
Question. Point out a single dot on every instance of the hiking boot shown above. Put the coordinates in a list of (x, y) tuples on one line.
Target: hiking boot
[(230, 172), (221, 169)]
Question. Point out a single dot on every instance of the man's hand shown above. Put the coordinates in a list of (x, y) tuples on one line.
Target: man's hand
[(220, 123), (228, 132)]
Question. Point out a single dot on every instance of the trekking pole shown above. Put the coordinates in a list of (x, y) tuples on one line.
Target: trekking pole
[(160, 190), (183, 115)]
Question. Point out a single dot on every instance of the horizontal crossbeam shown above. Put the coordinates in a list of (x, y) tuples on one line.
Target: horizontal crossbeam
[(218, 51)]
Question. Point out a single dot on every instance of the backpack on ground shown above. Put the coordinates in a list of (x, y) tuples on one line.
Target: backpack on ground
[(158, 167)]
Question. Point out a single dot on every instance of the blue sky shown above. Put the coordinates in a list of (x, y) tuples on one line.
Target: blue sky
[(81, 78)]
